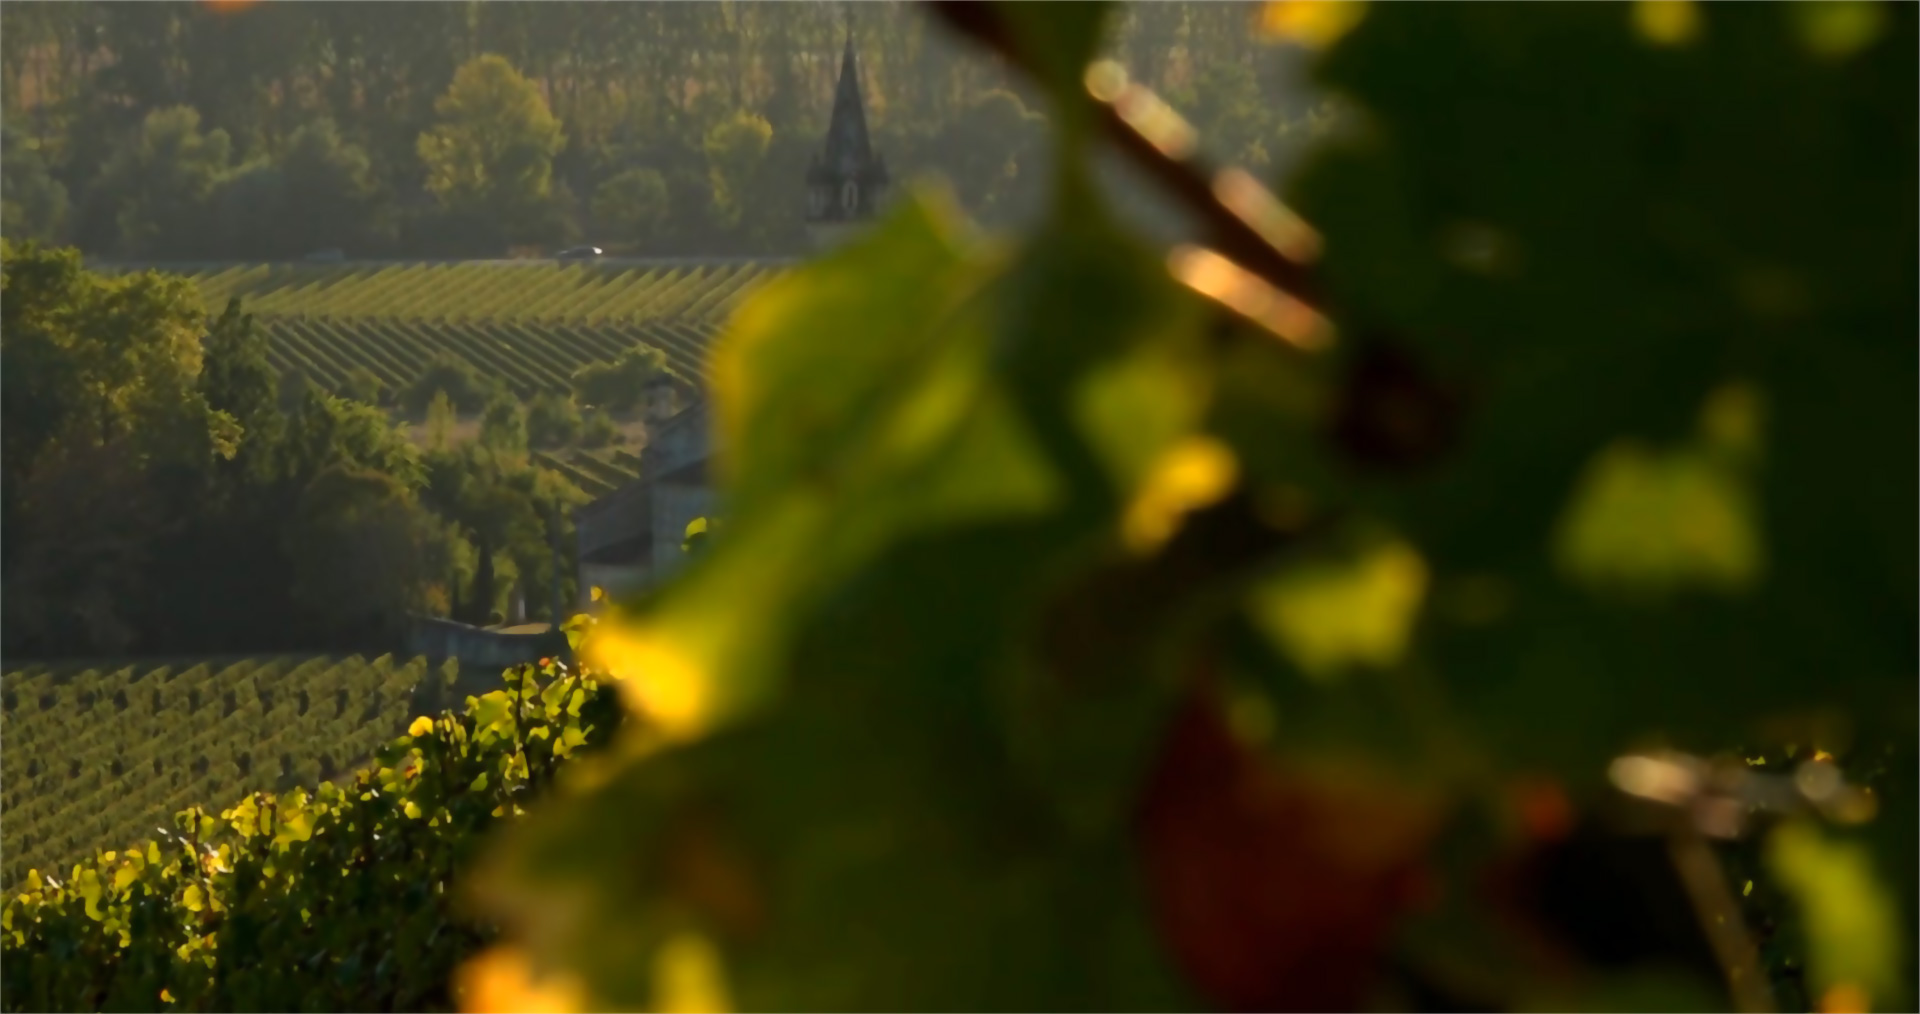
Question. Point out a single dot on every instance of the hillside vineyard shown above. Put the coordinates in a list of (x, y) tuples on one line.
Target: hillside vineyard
[(530, 324), (97, 758)]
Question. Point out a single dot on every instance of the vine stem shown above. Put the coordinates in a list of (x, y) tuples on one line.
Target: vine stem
[(1184, 176)]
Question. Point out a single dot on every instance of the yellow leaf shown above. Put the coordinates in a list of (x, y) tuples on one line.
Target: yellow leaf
[(1666, 22), (597, 594), (657, 679), (412, 810), (420, 727), (165, 996), (1332, 615), (124, 877), (1315, 24), (1192, 474), (1659, 522), (502, 980), (688, 977), (1851, 922), (193, 898), (87, 882), (1837, 29)]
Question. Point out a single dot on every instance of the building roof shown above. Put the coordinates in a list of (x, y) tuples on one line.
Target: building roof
[(849, 151)]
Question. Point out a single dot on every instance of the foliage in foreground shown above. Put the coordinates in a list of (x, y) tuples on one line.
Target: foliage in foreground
[(96, 759), (332, 900), (1074, 643)]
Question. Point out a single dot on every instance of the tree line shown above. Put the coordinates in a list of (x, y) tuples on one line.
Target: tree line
[(201, 131), (166, 491)]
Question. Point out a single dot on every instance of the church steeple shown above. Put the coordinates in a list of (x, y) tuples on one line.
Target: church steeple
[(846, 181)]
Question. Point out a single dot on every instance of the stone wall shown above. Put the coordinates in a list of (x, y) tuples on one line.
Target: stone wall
[(478, 647)]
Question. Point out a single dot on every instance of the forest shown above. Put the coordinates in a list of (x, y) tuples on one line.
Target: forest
[(167, 490), (211, 131)]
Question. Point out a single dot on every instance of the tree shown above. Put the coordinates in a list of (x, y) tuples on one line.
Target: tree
[(492, 152), (158, 188), (107, 428), (440, 421), (632, 203), (247, 211), (503, 425), (88, 361), (553, 420), (599, 430), (237, 379), (991, 151), (363, 551), (620, 385), (333, 199), (447, 373), (365, 386), (33, 205), (736, 151)]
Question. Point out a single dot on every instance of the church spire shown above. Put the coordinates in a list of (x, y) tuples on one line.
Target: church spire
[(846, 180), (847, 142)]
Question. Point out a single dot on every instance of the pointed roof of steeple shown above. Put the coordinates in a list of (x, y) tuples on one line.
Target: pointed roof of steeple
[(848, 149)]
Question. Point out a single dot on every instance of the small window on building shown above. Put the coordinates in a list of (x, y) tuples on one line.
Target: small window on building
[(850, 196)]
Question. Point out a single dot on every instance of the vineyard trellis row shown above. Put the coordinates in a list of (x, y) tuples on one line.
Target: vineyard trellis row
[(96, 756), (530, 324)]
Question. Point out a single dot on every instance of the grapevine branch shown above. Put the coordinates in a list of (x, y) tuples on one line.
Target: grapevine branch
[(1183, 175)]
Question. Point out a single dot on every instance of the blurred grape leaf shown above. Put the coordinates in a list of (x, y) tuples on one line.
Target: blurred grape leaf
[(1851, 923), (1335, 614)]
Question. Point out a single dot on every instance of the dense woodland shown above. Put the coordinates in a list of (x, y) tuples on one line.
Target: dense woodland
[(232, 131), (165, 490)]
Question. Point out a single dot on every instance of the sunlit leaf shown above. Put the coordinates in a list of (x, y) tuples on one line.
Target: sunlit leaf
[(1334, 614), (1192, 474), (1315, 24), (1642, 520), (1852, 926), (688, 977), (502, 981), (1666, 22), (1836, 29)]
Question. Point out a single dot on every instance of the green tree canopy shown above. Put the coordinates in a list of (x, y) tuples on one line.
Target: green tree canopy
[(159, 186), (633, 203), (736, 151), (619, 385), (33, 204), (492, 151)]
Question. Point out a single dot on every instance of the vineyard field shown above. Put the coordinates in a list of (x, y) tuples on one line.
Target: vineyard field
[(97, 757), (529, 323), (597, 472)]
